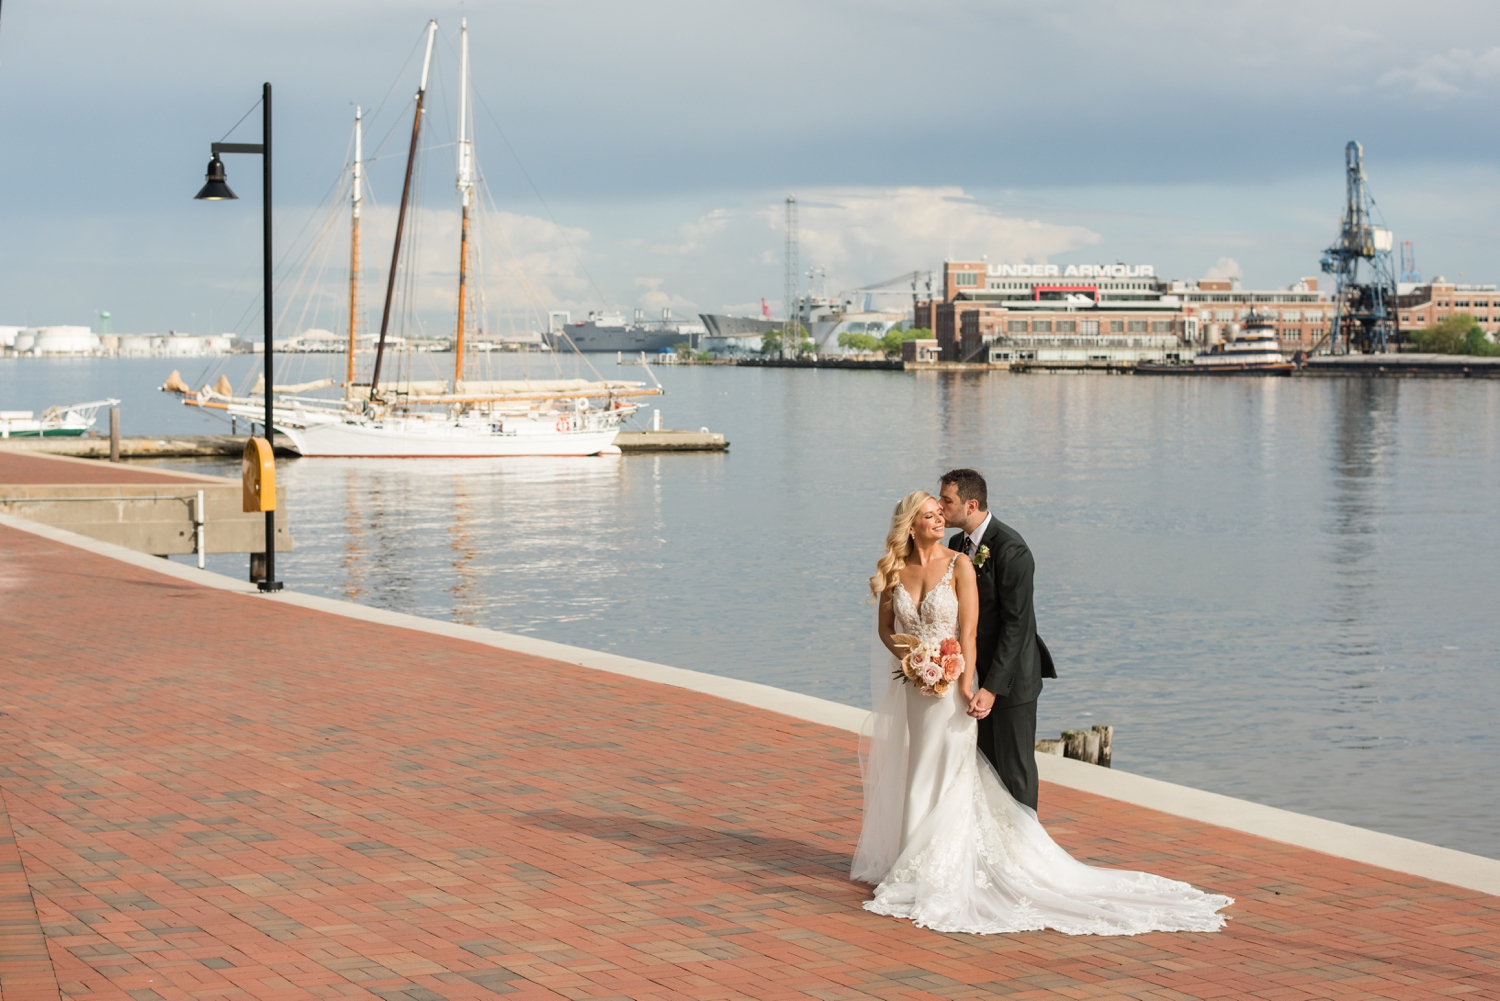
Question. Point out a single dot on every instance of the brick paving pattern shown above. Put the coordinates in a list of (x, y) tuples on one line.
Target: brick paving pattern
[(216, 796), (21, 469)]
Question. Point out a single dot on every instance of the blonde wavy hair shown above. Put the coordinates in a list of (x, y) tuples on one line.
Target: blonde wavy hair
[(898, 542)]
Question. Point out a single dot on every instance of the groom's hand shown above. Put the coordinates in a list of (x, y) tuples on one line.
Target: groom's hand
[(981, 704)]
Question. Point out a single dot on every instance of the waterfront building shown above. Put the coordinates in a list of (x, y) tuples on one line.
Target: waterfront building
[(1104, 312), (1422, 305)]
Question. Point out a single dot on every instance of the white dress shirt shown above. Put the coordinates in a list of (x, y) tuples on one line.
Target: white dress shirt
[(978, 534)]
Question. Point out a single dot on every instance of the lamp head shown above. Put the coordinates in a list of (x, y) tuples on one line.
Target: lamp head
[(215, 190)]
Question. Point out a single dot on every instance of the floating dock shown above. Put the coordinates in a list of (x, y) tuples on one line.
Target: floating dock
[(189, 446), (870, 364), (208, 446), (631, 442), (214, 793), (1404, 365)]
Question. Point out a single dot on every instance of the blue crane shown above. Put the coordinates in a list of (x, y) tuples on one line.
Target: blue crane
[(1364, 276)]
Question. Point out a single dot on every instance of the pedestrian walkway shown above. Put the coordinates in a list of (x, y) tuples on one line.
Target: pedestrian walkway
[(218, 795), (23, 469)]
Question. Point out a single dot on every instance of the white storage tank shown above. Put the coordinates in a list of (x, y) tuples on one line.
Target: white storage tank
[(176, 345), (8, 336), (135, 345), (25, 340), (65, 341)]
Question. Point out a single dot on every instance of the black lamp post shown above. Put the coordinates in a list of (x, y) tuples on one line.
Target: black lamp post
[(216, 190)]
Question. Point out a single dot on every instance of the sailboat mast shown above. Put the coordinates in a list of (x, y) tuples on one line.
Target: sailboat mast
[(355, 198), (411, 157), (466, 192)]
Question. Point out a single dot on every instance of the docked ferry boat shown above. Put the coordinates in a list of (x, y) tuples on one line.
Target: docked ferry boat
[(1255, 352)]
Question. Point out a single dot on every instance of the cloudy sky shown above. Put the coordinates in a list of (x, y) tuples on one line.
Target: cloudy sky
[(636, 155)]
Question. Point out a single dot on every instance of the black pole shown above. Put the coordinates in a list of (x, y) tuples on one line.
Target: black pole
[(390, 284), (270, 583)]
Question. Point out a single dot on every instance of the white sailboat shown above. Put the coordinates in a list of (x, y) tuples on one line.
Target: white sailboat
[(467, 419)]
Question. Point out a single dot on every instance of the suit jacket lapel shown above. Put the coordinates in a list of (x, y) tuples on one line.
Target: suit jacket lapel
[(990, 538)]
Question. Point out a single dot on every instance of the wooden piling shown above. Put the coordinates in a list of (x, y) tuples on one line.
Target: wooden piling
[(1049, 746), (1094, 746), (114, 434), (1106, 742)]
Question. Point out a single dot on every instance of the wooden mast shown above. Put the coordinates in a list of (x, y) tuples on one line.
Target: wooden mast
[(411, 157), (356, 197), (466, 192)]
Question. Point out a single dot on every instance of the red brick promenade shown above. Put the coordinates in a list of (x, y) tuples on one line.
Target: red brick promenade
[(218, 796), (20, 469)]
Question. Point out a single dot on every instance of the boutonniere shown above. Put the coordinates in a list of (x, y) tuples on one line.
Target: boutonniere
[(981, 556)]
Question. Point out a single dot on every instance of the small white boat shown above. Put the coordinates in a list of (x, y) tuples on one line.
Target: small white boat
[(56, 422), (1255, 352)]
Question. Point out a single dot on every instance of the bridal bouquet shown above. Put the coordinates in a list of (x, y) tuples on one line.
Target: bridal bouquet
[(932, 667)]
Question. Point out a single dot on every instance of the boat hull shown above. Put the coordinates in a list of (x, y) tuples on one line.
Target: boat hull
[(1252, 368), (351, 441), (591, 338), (62, 432)]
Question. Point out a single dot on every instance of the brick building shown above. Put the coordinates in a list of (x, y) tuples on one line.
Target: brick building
[(1106, 312), (1424, 305)]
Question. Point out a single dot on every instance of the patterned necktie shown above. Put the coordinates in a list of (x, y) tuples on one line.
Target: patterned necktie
[(968, 547)]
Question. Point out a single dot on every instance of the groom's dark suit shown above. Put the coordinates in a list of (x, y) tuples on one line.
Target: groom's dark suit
[(1011, 658)]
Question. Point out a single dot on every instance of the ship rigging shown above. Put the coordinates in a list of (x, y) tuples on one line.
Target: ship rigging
[(405, 417)]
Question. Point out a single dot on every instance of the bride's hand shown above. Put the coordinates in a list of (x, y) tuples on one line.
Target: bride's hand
[(965, 691)]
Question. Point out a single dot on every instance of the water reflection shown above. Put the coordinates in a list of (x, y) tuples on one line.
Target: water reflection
[(354, 539), (1363, 419), (509, 530), (465, 588), (1362, 453)]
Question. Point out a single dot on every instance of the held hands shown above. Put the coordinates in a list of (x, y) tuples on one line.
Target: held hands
[(980, 703)]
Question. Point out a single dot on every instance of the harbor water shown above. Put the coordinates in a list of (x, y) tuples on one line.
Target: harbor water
[(1277, 589)]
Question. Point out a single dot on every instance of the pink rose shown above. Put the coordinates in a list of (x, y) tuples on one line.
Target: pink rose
[(949, 646), (931, 672), (953, 666)]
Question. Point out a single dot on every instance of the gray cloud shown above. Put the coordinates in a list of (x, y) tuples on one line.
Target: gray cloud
[(1170, 130)]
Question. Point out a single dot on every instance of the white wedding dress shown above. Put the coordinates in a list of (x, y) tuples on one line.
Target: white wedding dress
[(949, 847)]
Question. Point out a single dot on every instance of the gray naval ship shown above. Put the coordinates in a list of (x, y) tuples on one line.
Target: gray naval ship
[(726, 334), (610, 331), (724, 326)]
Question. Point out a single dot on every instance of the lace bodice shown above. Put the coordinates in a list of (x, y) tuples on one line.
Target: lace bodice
[(937, 618)]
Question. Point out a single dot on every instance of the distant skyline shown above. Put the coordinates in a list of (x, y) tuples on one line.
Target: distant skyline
[(662, 138)]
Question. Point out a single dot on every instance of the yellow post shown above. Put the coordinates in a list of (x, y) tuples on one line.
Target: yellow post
[(258, 475)]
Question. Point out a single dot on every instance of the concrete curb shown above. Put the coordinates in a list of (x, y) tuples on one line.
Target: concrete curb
[(1443, 865)]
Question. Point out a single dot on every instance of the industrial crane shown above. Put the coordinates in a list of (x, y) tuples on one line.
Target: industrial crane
[(1364, 278)]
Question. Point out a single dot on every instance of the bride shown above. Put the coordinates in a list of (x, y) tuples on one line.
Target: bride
[(948, 846)]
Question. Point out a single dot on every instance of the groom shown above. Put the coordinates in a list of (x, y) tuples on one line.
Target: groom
[(1012, 659)]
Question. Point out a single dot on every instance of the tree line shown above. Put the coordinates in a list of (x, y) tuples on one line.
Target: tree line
[(1459, 334)]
